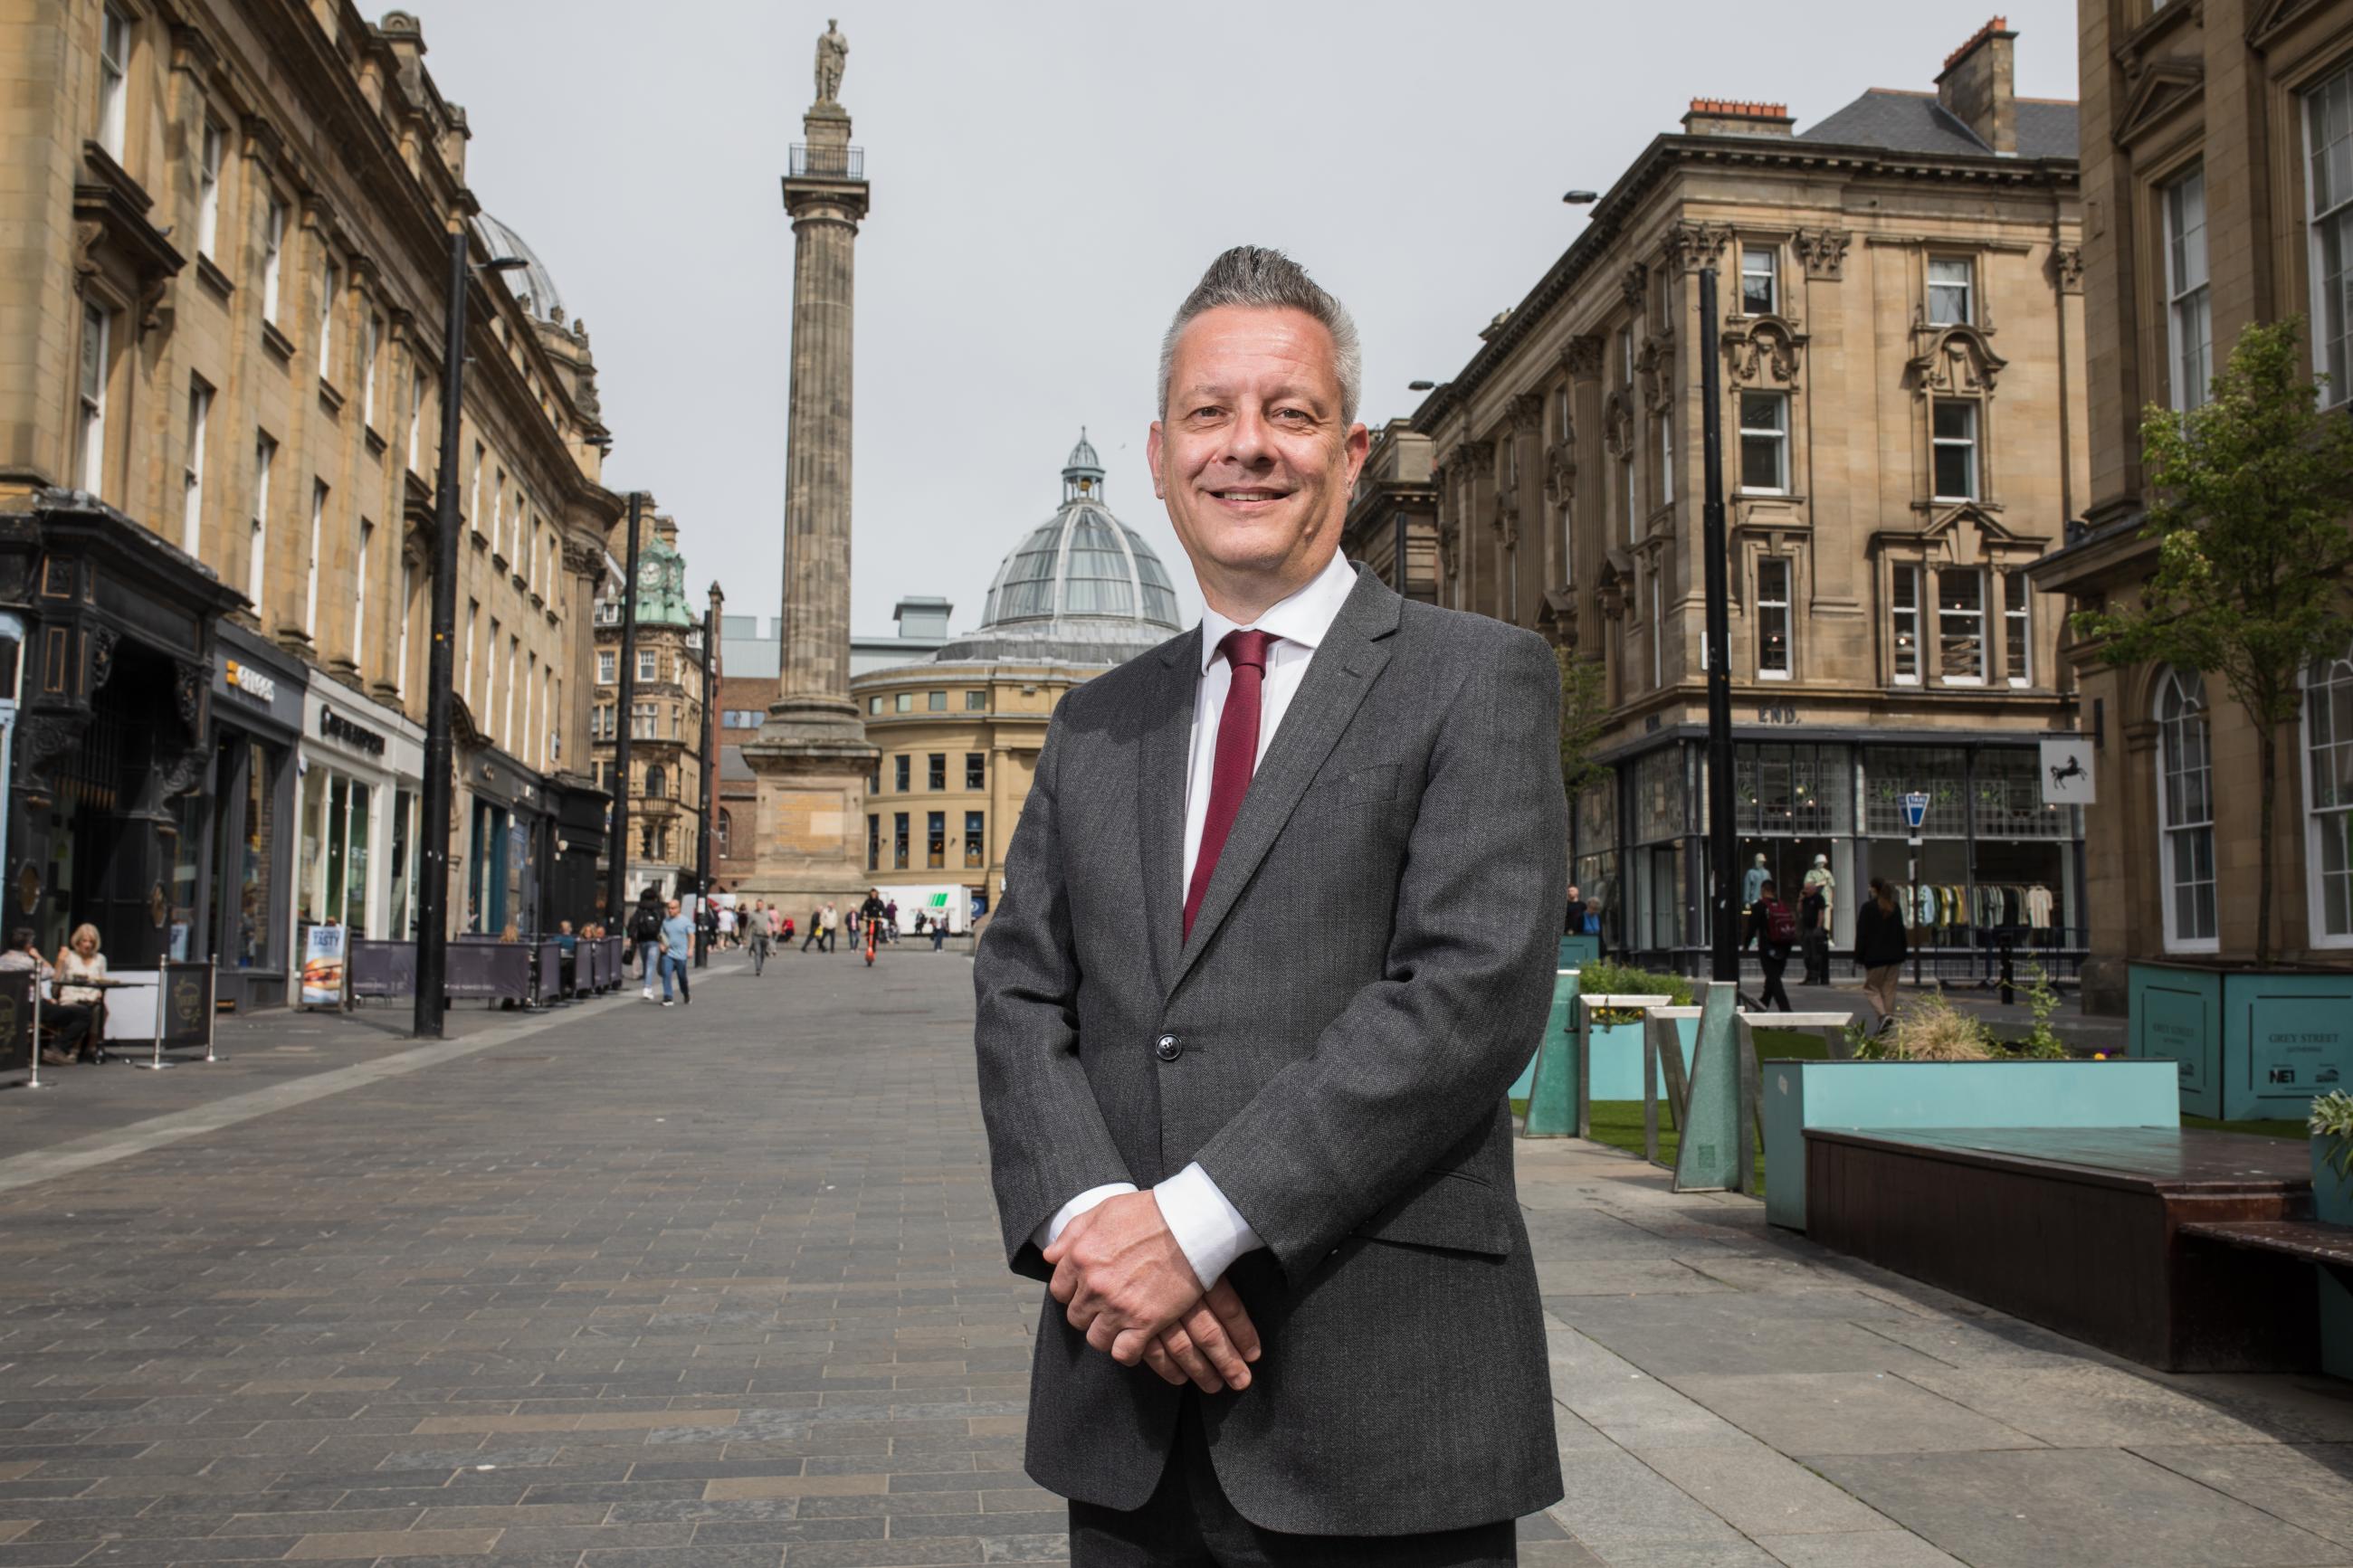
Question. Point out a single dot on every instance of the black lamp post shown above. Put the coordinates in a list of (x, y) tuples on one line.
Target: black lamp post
[(1724, 905), (617, 866), (438, 794), (709, 806)]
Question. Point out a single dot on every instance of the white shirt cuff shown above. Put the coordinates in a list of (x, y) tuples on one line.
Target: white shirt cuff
[(1210, 1231), (1045, 1234)]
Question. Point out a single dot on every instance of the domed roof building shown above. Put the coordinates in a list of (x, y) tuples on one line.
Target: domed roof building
[(960, 731)]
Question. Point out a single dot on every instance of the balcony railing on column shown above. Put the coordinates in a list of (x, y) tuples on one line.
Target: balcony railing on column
[(828, 162)]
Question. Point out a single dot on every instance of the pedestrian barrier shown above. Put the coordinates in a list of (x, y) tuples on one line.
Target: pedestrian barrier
[(488, 971), (379, 968), (183, 1013), (588, 968), (547, 973), (20, 1054)]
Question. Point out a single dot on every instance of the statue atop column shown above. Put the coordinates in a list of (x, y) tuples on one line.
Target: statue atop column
[(832, 54)]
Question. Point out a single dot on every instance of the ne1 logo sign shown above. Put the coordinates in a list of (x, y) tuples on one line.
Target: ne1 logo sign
[(2066, 772)]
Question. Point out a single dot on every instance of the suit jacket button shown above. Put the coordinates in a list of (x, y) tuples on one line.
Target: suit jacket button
[(1168, 1047)]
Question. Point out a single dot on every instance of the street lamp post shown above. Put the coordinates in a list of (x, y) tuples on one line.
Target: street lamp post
[(617, 866), (1723, 907), (437, 798), (711, 665)]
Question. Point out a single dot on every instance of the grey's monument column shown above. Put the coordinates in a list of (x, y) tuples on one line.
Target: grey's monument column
[(811, 753)]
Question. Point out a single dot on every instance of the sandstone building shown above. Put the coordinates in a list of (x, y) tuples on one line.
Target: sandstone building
[(665, 719), (1903, 371), (223, 264), (2217, 170)]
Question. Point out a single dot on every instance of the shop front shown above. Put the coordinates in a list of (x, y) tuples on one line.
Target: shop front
[(239, 908), (113, 746), (361, 766), (1997, 867), (506, 827)]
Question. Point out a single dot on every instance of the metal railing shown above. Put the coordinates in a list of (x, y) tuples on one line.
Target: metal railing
[(827, 162)]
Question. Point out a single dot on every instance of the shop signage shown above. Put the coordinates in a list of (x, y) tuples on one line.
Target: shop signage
[(2066, 772), (247, 682), (323, 966), (1776, 714), (335, 727)]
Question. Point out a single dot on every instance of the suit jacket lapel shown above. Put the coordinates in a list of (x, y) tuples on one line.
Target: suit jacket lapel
[(1343, 670), (1164, 760)]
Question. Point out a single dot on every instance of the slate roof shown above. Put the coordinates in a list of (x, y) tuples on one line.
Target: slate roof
[(1916, 122)]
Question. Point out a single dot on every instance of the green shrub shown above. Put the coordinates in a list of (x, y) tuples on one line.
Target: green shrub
[(2332, 1119), (1606, 979), (1930, 1029)]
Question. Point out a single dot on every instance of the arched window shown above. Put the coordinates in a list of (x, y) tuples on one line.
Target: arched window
[(2328, 745), (654, 781), (726, 832), (2185, 800)]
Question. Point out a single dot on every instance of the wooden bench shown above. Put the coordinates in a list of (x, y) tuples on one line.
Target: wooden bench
[(2329, 1247), (2104, 1234)]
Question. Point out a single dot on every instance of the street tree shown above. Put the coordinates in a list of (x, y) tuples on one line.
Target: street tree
[(1584, 714), (2250, 495)]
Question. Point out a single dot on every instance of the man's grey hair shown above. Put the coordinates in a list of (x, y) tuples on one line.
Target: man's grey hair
[(1259, 277)]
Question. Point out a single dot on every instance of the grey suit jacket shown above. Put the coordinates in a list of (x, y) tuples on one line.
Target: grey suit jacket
[(1369, 969)]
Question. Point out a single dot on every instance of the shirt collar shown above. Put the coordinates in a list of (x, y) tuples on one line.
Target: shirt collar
[(1302, 619)]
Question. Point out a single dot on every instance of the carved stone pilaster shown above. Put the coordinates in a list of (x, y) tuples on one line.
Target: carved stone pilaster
[(1691, 245), (2067, 268), (1635, 284), (1582, 357), (1823, 250)]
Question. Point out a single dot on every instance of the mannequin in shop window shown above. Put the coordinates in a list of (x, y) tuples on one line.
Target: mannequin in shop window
[(1815, 906), (1752, 883)]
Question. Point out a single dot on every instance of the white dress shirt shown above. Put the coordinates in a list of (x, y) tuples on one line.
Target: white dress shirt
[(1211, 1232)]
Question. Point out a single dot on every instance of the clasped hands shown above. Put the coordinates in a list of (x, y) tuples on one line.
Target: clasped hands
[(1126, 1284)]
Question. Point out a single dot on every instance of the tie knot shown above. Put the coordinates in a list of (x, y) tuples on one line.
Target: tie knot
[(1247, 648)]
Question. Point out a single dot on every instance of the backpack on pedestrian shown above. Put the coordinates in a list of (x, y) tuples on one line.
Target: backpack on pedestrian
[(1780, 923)]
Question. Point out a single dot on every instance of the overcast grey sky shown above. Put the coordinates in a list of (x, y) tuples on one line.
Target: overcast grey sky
[(1049, 180)]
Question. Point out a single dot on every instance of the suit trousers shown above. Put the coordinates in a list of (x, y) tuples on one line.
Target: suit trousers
[(1188, 1523)]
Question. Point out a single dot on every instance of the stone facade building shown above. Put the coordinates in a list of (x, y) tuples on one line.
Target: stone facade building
[(958, 732), (223, 267), (1903, 370), (665, 794), (2218, 176), (1393, 514)]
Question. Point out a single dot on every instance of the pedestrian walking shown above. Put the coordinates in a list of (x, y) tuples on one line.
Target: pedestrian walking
[(1773, 927), (757, 938), (644, 932), (890, 919), (832, 927), (815, 927), (1881, 945), (677, 953), (939, 931)]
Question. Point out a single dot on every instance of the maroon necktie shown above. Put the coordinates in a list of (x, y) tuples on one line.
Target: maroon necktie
[(1237, 758)]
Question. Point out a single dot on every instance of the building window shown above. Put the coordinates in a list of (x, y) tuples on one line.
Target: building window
[(2185, 807), (646, 664), (726, 834), (904, 703), (1658, 632), (89, 431), (2018, 629), (873, 842), (208, 181), (936, 847), (643, 718), (975, 770), (1960, 626), (498, 509), (1765, 442), (976, 701), (1952, 281), (2328, 739), (606, 663), (265, 457), (1666, 458), (273, 246), (875, 704), (407, 617), (192, 471), (976, 841), (311, 588), (359, 600), (1627, 496), (474, 489), (330, 283), (1955, 441), (1904, 623), (2328, 145), (656, 781), (898, 839), (1758, 281), (368, 365), (113, 80), (1772, 617), (902, 771), (473, 626), (416, 417), (936, 771), (2188, 318), (939, 702)]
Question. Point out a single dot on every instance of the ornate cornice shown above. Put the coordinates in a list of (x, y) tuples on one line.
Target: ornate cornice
[(1823, 250)]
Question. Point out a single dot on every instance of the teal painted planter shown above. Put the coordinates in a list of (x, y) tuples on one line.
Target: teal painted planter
[(1562, 1018), (2244, 1044), (2332, 1204), (1575, 951), (1799, 1094), (1618, 1057)]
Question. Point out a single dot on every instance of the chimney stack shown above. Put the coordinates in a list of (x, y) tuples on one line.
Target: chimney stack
[(1978, 87), (1733, 117)]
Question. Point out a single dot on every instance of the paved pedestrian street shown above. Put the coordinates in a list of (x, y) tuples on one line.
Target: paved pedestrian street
[(622, 1287)]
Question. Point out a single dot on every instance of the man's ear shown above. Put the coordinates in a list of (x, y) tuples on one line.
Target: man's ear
[(1152, 457)]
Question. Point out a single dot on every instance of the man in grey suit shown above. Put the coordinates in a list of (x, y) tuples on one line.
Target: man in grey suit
[(1259, 1148)]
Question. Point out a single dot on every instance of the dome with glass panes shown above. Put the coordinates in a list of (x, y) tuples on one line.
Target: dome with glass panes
[(1081, 587)]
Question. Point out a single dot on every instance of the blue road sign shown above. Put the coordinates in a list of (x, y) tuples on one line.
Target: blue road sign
[(1915, 809)]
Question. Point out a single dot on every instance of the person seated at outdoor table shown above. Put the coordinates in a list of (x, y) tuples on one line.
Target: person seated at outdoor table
[(81, 960), (72, 1024), (566, 944)]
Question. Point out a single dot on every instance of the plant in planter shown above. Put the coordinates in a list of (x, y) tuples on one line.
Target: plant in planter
[(1624, 980), (2332, 1151), (1931, 1030)]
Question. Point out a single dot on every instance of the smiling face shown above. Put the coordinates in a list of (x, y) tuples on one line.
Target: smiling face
[(1252, 457)]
